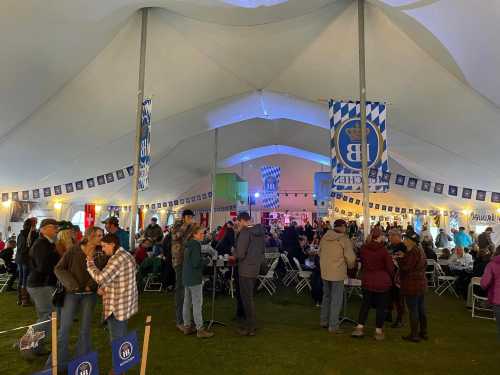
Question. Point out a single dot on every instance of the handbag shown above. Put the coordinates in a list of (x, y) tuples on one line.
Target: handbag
[(58, 295)]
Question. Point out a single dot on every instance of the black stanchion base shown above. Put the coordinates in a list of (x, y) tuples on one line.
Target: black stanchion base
[(211, 323), (345, 319)]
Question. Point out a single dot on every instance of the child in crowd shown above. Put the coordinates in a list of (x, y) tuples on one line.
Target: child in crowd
[(193, 287)]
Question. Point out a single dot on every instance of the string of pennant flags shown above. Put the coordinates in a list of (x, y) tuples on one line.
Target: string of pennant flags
[(436, 187), (70, 187)]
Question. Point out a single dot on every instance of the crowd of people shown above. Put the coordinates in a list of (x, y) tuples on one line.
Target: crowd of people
[(60, 269)]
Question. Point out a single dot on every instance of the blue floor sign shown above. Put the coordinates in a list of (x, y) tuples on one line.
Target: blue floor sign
[(84, 365), (125, 352)]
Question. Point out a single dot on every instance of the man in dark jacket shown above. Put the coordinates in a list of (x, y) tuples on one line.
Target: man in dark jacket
[(26, 238), (154, 231), (42, 280), (484, 240), (249, 253), (7, 255)]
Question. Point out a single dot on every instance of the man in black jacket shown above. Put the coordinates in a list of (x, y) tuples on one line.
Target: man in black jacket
[(249, 253), (42, 280), (7, 255)]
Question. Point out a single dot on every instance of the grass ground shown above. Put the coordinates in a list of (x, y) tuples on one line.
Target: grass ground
[(288, 342)]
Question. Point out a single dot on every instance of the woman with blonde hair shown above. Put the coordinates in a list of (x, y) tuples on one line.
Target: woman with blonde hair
[(64, 241), (80, 294)]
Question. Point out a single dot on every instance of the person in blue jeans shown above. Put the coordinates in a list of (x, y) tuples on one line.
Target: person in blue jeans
[(80, 296), (193, 287), (42, 281)]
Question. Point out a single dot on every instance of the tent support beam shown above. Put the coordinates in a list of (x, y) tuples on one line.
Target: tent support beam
[(214, 176), (362, 104), (140, 99)]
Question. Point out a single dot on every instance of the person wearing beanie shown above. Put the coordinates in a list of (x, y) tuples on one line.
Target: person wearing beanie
[(378, 271), (412, 266), (396, 246), (336, 256)]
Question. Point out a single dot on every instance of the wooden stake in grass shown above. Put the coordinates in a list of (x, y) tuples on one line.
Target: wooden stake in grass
[(145, 345), (54, 343)]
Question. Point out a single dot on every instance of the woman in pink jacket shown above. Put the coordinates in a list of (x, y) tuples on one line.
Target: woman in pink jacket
[(491, 282)]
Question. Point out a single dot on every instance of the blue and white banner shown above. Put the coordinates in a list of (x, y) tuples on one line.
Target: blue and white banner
[(125, 353), (322, 186), (271, 182), (145, 146), (345, 135), (84, 365)]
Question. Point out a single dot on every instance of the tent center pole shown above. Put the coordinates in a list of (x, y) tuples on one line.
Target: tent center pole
[(362, 105), (214, 176), (140, 99)]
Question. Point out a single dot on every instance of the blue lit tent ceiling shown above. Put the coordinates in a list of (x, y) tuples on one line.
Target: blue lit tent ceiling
[(260, 73)]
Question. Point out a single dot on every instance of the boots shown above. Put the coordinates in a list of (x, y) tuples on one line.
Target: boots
[(204, 334), (25, 298), (413, 336)]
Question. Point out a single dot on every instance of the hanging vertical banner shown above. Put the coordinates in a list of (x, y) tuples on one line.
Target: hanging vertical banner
[(145, 146), (271, 182), (345, 135), (322, 186), (89, 215)]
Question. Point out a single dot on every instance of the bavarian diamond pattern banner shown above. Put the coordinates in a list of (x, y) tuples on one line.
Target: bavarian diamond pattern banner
[(145, 146), (271, 182), (345, 135)]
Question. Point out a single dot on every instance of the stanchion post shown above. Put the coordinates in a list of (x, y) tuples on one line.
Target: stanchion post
[(145, 345), (54, 343)]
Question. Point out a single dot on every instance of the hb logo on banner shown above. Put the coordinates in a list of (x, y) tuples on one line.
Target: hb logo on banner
[(84, 365), (125, 353), (271, 181), (345, 131)]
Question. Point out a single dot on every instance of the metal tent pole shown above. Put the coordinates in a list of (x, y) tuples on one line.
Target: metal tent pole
[(362, 103), (214, 175), (140, 99)]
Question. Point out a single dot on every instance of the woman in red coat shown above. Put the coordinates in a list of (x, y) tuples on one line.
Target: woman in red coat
[(377, 273), (412, 266)]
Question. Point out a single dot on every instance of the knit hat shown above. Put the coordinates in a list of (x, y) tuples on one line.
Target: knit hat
[(339, 223), (46, 222)]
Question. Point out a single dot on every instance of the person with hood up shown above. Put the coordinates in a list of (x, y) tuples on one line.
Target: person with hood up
[(412, 266), (491, 283), (336, 256), (249, 254), (226, 243), (377, 274), (462, 239)]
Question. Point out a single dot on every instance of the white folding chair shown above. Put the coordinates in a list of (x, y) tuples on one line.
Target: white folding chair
[(303, 277), (430, 273), (291, 275), (267, 280), (4, 277), (480, 307), (444, 283), (153, 283)]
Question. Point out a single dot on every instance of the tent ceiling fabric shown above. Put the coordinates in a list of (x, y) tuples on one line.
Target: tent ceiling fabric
[(67, 99)]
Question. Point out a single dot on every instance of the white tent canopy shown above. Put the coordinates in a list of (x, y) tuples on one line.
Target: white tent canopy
[(260, 73)]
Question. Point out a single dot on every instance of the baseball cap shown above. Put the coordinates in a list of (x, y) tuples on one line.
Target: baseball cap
[(187, 213), (46, 222), (111, 220), (339, 223)]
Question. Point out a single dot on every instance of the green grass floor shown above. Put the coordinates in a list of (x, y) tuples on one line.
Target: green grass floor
[(289, 341)]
